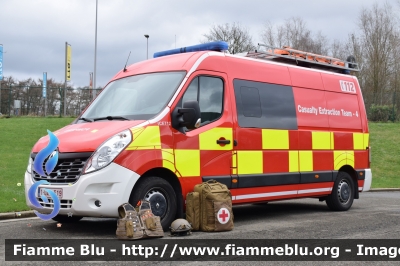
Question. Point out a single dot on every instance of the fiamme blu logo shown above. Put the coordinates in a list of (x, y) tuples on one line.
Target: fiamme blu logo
[(50, 153)]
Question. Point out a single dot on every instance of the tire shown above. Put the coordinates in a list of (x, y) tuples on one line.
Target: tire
[(161, 195), (65, 219), (342, 195)]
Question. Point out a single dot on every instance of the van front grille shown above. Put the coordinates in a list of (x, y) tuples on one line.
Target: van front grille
[(68, 169), (64, 203)]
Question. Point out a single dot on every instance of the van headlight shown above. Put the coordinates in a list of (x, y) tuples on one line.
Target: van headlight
[(29, 168), (107, 152)]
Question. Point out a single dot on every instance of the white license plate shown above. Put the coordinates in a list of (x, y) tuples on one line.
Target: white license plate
[(58, 191)]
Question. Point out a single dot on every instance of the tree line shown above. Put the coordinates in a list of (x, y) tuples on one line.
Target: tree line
[(375, 46), (30, 96)]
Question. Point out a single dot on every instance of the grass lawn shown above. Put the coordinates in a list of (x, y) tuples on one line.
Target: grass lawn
[(385, 148), (18, 135)]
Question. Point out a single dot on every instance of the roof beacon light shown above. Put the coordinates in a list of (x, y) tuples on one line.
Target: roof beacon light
[(211, 46)]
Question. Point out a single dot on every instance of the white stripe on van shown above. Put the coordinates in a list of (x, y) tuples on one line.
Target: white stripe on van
[(281, 193), (264, 195), (315, 190)]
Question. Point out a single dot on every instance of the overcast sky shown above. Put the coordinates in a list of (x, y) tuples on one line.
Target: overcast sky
[(34, 32)]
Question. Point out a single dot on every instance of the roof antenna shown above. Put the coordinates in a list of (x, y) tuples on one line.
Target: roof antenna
[(127, 61)]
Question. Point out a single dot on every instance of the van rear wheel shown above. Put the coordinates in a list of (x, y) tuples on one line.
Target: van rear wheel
[(342, 195), (161, 196)]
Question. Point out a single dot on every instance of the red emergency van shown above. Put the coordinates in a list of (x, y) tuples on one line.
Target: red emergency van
[(270, 125)]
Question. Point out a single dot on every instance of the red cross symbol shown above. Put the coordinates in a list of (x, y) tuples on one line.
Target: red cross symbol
[(223, 215)]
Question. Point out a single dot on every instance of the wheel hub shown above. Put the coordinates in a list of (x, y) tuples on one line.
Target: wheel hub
[(344, 192), (158, 202)]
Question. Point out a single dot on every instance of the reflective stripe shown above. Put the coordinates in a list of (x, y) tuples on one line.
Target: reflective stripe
[(306, 161), (265, 195), (275, 139), (168, 159), (343, 158), (358, 141), (250, 162), (280, 193), (293, 161), (321, 141), (315, 190), (366, 140), (234, 163), (149, 138), (208, 139), (188, 162), (136, 132)]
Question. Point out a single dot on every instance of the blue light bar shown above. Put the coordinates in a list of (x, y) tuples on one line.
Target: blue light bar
[(211, 46)]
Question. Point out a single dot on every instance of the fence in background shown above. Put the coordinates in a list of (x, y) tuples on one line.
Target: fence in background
[(28, 100)]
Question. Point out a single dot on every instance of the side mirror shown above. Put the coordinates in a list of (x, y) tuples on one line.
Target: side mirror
[(188, 116)]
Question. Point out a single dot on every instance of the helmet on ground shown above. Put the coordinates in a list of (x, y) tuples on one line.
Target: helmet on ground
[(180, 227)]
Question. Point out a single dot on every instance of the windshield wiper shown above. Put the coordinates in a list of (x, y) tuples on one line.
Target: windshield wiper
[(110, 118), (86, 119)]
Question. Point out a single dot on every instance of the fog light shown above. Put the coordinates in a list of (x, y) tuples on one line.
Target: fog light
[(97, 203)]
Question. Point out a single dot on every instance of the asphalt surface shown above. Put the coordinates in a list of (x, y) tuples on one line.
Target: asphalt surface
[(374, 216)]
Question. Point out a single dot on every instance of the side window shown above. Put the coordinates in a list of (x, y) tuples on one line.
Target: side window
[(208, 91), (250, 102), (264, 105), (192, 91)]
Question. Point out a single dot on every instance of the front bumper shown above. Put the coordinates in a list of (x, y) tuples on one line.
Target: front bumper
[(111, 186)]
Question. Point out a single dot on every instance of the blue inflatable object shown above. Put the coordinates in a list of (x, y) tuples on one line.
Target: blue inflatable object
[(211, 46)]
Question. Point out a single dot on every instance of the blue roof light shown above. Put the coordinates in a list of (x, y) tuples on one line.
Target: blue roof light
[(211, 46)]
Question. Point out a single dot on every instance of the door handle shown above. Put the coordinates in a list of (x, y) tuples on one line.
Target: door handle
[(223, 141)]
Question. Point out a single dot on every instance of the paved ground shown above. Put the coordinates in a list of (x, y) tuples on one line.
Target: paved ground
[(375, 216)]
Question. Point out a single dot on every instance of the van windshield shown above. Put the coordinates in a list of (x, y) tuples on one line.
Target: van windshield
[(139, 97)]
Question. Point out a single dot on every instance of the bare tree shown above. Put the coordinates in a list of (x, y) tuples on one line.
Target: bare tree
[(376, 48), (295, 34), (237, 36)]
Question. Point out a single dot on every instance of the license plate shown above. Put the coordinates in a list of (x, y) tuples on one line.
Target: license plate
[(58, 191)]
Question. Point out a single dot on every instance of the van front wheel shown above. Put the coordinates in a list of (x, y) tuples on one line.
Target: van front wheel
[(342, 195), (161, 196)]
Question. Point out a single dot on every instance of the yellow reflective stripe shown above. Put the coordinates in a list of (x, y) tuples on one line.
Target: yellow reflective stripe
[(234, 164), (306, 161), (168, 159), (293, 161), (321, 140), (343, 158), (145, 148), (250, 162), (149, 137), (137, 131), (187, 162), (208, 139), (332, 141), (275, 139), (366, 140), (358, 141)]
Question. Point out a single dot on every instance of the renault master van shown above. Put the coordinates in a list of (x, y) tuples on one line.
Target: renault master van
[(271, 125)]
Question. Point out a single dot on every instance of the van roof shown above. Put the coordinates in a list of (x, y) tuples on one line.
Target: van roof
[(189, 62)]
